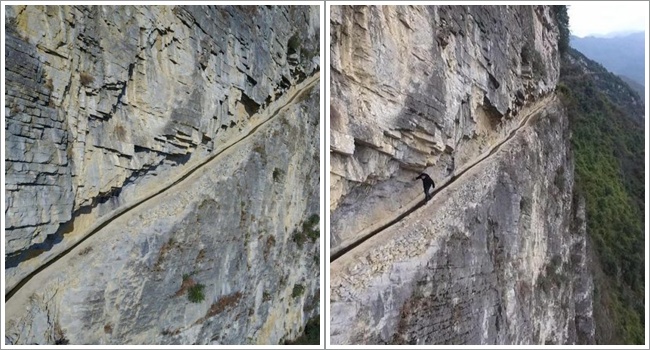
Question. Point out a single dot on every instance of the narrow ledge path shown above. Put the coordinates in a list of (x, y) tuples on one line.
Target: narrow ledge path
[(538, 105), (23, 287)]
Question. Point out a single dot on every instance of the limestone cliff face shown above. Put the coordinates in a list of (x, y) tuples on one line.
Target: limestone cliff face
[(498, 255), (152, 148), (425, 88)]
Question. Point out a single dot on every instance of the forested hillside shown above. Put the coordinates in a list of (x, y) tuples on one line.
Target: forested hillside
[(606, 119)]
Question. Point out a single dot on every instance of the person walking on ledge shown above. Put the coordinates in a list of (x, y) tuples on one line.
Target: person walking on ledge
[(427, 182)]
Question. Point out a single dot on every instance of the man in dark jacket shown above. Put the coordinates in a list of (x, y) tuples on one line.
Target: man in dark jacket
[(427, 182)]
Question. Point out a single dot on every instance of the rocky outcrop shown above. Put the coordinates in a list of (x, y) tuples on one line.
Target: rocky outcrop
[(497, 257), (425, 88), (466, 94), (129, 94), (152, 149)]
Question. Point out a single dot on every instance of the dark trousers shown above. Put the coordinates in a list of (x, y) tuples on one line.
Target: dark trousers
[(427, 186)]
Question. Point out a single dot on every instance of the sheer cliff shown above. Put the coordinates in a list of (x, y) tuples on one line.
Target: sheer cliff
[(152, 157), (465, 94), (421, 87)]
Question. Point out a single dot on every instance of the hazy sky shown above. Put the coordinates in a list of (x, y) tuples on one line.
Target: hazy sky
[(598, 18)]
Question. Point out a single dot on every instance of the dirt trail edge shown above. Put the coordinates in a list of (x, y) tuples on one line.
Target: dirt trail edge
[(411, 207), (259, 120)]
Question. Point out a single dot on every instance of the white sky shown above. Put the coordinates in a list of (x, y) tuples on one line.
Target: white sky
[(598, 18)]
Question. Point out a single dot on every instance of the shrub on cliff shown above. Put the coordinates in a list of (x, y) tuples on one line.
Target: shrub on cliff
[(298, 290), (309, 231), (311, 335), (562, 19), (195, 293)]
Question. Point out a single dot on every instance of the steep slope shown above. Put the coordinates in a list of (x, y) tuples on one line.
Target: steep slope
[(608, 139), (149, 152), (499, 255)]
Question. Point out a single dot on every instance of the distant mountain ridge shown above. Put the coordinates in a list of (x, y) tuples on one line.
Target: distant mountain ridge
[(611, 35), (622, 55), (610, 85)]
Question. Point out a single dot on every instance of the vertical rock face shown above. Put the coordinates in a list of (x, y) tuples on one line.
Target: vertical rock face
[(425, 87), (498, 256), (129, 93), (152, 150), (38, 184)]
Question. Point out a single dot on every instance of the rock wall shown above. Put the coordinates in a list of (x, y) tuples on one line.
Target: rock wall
[(497, 257), (466, 94), (102, 102), (430, 88), (153, 148)]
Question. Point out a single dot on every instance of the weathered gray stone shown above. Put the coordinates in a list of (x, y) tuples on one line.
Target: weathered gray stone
[(109, 105), (116, 96), (497, 256), (428, 87), (487, 261)]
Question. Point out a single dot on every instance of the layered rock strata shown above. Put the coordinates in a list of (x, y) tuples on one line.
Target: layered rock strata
[(101, 101), (425, 88), (151, 149), (497, 257), (466, 94)]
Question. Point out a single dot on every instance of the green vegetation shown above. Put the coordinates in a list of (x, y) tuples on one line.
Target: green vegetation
[(311, 335), (309, 231), (298, 290), (195, 293), (608, 143), (298, 237), (310, 227), (562, 18)]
